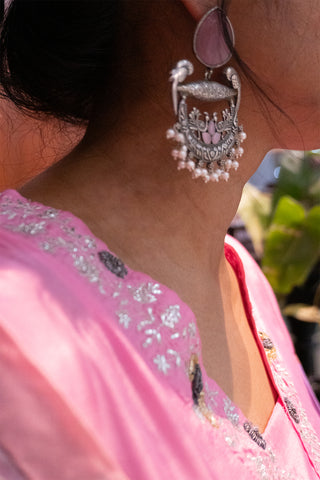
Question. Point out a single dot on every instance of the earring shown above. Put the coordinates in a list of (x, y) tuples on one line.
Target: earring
[(209, 145)]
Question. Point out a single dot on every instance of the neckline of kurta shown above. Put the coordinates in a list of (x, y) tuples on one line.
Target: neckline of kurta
[(232, 411), (34, 217)]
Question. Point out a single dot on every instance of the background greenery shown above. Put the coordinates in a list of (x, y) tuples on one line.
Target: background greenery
[(284, 223)]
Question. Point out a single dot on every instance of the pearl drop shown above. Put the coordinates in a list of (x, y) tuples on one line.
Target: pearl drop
[(228, 164), (235, 165), (242, 136), (197, 173), (170, 133), (190, 165), (214, 177), (181, 165), (182, 154), (225, 176), (179, 138), (218, 172), (206, 178), (239, 152), (175, 154)]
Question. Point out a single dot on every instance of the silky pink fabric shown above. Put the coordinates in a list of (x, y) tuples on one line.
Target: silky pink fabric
[(93, 367)]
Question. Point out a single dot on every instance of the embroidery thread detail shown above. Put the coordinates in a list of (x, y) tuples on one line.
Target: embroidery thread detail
[(179, 339), (198, 396), (255, 435), (295, 409), (114, 264), (292, 410)]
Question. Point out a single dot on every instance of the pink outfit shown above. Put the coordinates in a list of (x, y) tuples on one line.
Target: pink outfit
[(94, 368)]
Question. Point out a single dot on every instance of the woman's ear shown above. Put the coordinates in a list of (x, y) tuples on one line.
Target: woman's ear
[(197, 8)]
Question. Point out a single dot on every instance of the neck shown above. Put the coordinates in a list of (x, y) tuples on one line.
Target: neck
[(131, 195), (123, 183)]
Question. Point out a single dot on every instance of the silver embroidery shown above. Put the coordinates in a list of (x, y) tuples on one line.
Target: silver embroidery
[(50, 213), (161, 362), (192, 329), (171, 316), (229, 410), (147, 322), (82, 251), (211, 395), (175, 355), (175, 335), (146, 293), (124, 319), (151, 334), (30, 228), (288, 392), (86, 268)]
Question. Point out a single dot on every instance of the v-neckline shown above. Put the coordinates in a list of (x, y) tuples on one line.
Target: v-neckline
[(250, 307), (235, 261)]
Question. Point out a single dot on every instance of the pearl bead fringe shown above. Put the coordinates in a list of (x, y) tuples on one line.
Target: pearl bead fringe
[(208, 173)]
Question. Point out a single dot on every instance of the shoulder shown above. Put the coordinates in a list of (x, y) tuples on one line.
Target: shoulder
[(51, 279), (52, 244)]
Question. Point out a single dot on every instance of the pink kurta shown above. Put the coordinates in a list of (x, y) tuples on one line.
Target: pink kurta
[(95, 368)]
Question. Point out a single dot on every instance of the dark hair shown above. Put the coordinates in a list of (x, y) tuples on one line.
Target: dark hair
[(56, 55)]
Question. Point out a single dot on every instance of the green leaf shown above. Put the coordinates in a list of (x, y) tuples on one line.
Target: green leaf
[(312, 223), (254, 209), (292, 245), (288, 212)]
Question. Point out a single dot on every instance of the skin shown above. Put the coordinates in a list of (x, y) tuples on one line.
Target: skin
[(122, 182)]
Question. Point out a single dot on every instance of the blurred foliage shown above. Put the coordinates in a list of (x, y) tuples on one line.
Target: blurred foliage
[(285, 224), (255, 209), (292, 244), (299, 178)]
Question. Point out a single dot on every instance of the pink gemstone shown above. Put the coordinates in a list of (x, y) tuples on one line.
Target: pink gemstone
[(209, 44), (216, 138), (206, 137), (211, 128)]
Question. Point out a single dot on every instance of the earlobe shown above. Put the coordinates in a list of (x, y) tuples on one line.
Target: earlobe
[(197, 8)]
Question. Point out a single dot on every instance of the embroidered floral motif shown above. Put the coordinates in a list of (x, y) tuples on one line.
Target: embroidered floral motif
[(295, 409), (86, 267), (161, 362), (146, 293), (175, 355), (168, 341), (171, 316), (230, 412), (124, 319), (114, 264), (211, 395), (152, 334)]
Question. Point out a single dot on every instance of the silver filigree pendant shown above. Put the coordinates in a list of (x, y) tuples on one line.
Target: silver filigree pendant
[(209, 145)]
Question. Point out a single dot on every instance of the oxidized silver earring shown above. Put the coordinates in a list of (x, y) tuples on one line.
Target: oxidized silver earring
[(209, 145)]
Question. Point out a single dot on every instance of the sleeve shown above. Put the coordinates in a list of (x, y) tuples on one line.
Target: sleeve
[(40, 438), (8, 469)]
